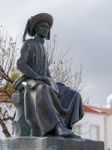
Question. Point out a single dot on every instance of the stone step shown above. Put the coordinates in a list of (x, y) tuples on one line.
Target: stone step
[(50, 143)]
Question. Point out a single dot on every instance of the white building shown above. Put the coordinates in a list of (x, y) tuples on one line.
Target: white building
[(96, 125)]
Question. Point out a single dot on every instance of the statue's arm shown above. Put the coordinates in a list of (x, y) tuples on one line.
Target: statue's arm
[(22, 63)]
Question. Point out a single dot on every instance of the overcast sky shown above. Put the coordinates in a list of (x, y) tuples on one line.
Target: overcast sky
[(83, 25)]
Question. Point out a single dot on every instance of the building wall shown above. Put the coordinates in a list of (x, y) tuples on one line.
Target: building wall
[(91, 126), (109, 127), (96, 127)]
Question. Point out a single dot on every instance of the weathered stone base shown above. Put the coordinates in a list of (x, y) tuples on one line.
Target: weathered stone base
[(49, 143)]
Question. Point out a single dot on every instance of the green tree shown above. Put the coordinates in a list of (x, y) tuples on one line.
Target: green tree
[(8, 53), (8, 87)]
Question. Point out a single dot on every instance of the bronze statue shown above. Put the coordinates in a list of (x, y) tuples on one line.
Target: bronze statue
[(43, 110)]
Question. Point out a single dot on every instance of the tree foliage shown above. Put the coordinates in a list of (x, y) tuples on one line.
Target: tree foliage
[(61, 66), (8, 52), (8, 86)]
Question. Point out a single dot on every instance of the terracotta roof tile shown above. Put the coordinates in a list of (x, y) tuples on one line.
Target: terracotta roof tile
[(4, 97), (99, 110)]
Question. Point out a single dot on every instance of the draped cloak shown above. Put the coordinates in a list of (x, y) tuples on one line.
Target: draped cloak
[(43, 108)]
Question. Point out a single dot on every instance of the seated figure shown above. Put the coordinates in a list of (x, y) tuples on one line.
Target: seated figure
[(44, 112)]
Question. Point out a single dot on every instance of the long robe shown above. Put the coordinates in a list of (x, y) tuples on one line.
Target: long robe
[(43, 109)]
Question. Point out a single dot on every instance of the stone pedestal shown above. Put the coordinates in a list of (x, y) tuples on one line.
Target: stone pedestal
[(49, 143)]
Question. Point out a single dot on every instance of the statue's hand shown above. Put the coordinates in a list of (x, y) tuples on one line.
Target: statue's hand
[(43, 78), (47, 80)]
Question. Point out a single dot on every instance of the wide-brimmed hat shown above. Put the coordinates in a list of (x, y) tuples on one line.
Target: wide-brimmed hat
[(34, 20)]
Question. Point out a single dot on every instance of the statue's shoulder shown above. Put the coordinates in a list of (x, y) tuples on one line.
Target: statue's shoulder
[(27, 44)]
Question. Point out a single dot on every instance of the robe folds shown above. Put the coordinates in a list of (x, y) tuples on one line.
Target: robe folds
[(43, 107)]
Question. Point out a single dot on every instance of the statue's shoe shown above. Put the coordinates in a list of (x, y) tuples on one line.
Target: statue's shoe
[(62, 131), (75, 136)]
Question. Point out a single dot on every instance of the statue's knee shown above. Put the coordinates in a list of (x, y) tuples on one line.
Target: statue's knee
[(42, 87)]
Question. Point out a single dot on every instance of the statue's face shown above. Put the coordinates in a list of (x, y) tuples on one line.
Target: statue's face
[(42, 29)]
